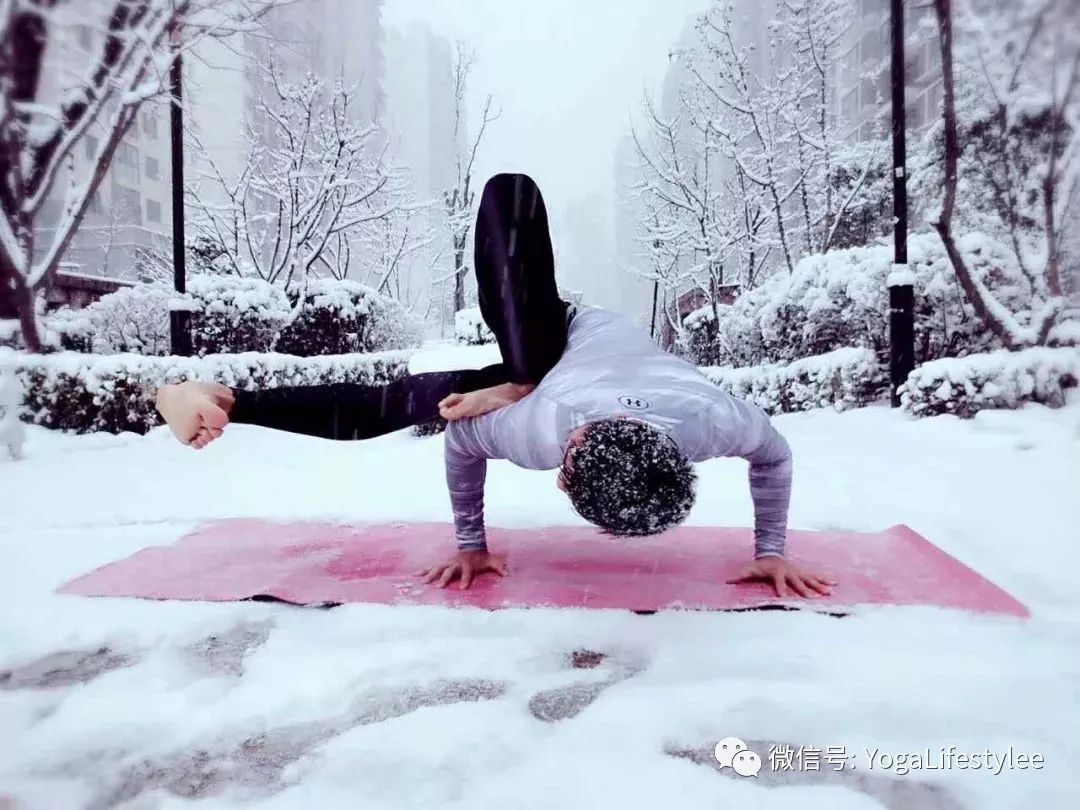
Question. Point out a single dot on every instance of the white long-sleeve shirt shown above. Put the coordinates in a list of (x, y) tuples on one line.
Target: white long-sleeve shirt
[(611, 368)]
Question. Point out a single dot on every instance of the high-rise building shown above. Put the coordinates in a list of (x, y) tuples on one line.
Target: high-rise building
[(630, 260), (225, 78), (132, 210), (864, 90), (420, 107)]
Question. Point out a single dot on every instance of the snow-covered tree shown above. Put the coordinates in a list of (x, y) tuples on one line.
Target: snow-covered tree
[(139, 39), (1018, 70), (811, 32), (861, 179), (397, 252), (683, 229), (461, 198), (311, 184), (744, 176)]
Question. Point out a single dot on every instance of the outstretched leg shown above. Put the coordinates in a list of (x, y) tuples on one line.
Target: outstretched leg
[(348, 411)]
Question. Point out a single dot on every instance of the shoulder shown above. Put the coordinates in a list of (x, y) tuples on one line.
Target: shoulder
[(493, 435), (591, 324), (591, 316)]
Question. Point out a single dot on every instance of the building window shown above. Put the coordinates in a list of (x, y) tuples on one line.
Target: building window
[(870, 49), (153, 211), (91, 144), (934, 95), (85, 38), (150, 124), (914, 114), (127, 205), (126, 162), (850, 104), (933, 54), (868, 92), (152, 168)]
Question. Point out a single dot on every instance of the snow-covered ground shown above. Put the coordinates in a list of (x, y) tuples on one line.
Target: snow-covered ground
[(138, 704)]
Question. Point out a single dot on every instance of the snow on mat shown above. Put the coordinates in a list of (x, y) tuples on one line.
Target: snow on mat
[(318, 563)]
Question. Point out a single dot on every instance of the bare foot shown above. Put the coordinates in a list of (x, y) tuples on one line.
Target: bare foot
[(196, 412)]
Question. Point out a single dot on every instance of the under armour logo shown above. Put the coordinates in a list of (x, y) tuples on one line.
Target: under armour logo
[(634, 403)]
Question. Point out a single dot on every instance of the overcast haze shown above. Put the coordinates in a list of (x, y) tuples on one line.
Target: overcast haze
[(567, 76)]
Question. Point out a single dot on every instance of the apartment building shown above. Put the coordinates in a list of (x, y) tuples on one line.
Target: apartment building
[(132, 211), (864, 103)]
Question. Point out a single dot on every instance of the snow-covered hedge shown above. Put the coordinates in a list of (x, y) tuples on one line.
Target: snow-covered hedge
[(841, 298), (1001, 379), (132, 320), (339, 317), (231, 314), (114, 393), (841, 379), (470, 329)]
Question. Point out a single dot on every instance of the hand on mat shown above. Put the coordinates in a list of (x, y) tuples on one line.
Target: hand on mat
[(477, 403), (195, 412), (466, 565), (787, 578)]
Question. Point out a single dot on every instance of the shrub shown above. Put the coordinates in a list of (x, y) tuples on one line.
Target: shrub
[(230, 314), (339, 317), (132, 320), (68, 330), (999, 379), (842, 379), (840, 298), (470, 329), (115, 393)]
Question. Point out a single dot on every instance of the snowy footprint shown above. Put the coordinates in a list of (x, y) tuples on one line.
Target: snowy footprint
[(224, 653), (65, 668), (218, 654), (567, 702), (894, 794), (255, 765)]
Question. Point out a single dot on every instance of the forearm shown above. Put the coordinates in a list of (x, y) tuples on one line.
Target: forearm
[(465, 480), (770, 488)]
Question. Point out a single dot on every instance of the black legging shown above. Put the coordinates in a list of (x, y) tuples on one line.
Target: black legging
[(515, 277)]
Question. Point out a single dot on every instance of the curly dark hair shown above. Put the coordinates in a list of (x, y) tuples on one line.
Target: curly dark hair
[(628, 478)]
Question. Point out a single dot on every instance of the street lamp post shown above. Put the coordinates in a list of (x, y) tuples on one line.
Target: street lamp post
[(900, 282), (179, 318)]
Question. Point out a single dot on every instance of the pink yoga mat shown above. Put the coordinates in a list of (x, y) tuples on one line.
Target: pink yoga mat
[(318, 563)]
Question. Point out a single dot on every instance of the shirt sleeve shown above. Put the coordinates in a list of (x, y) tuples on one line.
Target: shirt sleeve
[(743, 430), (466, 472)]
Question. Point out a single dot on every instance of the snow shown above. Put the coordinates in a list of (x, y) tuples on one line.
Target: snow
[(470, 328), (444, 695), (843, 378), (901, 276), (12, 433), (1000, 379)]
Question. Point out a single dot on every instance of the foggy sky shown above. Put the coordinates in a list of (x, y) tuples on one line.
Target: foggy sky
[(568, 74)]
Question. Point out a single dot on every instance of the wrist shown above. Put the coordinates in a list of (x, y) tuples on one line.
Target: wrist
[(472, 546), (161, 393)]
